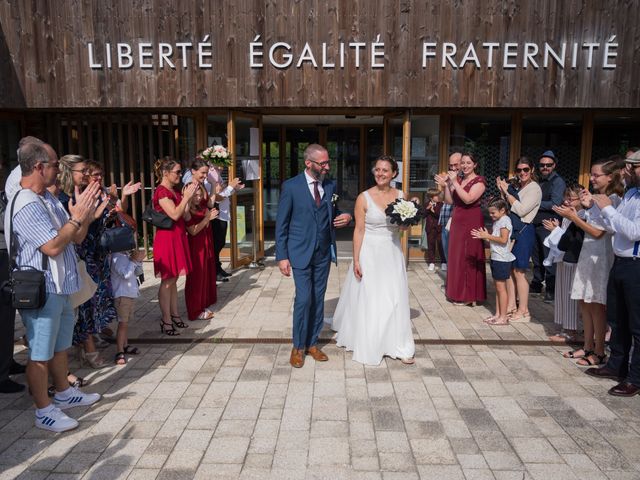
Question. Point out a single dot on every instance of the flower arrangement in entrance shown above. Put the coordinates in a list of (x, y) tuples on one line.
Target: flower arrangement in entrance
[(217, 155)]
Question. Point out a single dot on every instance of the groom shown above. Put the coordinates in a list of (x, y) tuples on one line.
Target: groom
[(306, 244)]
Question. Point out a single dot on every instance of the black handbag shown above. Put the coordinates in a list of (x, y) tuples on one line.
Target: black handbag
[(26, 285), (118, 239), (157, 219)]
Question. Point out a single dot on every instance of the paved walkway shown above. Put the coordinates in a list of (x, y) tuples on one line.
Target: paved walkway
[(481, 402)]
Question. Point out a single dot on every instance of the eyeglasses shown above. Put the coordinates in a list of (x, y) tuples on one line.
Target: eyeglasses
[(524, 169), (321, 164), (632, 164), (83, 171), (95, 174), (177, 172), (545, 165)]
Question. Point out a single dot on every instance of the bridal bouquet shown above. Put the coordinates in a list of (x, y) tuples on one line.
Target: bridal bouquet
[(404, 212), (217, 155)]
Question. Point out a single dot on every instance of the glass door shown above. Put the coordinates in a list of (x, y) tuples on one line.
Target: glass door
[(397, 143), (246, 226)]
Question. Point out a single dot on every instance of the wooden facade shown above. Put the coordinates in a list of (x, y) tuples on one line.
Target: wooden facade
[(44, 58)]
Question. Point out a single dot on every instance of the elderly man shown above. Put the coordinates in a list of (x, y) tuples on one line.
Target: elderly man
[(552, 186), (41, 227), (623, 301), (447, 210)]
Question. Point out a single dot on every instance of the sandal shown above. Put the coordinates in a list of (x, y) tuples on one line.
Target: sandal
[(206, 315), (497, 321), (168, 329), (587, 361), (78, 382), (520, 317), (489, 319), (572, 353), (129, 350), (120, 359), (179, 323)]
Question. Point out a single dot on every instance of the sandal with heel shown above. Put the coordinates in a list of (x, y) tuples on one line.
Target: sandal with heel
[(179, 323), (168, 329)]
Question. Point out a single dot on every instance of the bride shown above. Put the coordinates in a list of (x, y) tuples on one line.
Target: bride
[(372, 317)]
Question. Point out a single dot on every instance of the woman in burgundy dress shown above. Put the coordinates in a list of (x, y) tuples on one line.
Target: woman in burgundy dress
[(466, 277), (170, 247), (200, 289)]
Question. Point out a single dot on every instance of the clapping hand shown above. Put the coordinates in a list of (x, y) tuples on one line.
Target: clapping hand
[(565, 212), (480, 233), (131, 188), (213, 213), (502, 184), (85, 202), (106, 199), (441, 180), (550, 224), (586, 199), (236, 184), (189, 190), (602, 201)]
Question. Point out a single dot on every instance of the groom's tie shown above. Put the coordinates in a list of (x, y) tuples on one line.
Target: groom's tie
[(316, 193)]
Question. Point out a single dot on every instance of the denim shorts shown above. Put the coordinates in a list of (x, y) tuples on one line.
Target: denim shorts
[(500, 270), (49, 329)]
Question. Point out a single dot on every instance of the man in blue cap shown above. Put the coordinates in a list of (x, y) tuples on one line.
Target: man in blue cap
[(553, 187)]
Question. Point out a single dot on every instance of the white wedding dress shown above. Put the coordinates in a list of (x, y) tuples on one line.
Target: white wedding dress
[(373, 317)]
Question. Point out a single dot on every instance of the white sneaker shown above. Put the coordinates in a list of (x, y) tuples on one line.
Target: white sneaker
[(55, 421), (75, 399), (431, 267), (443, 267)]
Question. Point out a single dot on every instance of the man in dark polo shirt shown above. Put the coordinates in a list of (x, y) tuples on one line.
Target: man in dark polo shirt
[(553, 187)]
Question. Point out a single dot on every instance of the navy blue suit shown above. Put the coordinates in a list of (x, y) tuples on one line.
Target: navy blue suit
[(305, 236)]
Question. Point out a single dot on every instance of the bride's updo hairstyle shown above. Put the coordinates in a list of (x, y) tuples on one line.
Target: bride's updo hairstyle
[(390, 160)]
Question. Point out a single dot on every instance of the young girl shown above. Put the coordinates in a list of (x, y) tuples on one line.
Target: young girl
[(126, 267), (565, 243), (501, 257), (432, 228)]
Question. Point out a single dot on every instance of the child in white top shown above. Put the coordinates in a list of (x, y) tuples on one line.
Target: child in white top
[(126, 268), (501, 256)]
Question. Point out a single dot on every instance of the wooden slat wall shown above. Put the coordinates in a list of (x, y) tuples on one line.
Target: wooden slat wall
[(44, 58)]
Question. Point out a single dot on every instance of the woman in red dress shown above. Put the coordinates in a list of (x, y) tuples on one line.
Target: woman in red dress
[(200, 289), (170, 247), (466, 277)]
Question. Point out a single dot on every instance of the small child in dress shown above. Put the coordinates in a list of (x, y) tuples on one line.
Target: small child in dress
[(126, 277), (432, 228), (501, 256)]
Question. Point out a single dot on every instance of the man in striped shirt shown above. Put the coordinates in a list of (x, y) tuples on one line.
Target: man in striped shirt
[(41, 226)]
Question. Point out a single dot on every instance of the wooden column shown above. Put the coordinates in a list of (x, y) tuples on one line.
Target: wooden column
[(516, 141)]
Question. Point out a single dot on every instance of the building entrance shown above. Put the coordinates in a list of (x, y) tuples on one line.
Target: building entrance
[(353, 143)]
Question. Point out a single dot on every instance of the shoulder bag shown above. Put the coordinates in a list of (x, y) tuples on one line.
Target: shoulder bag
[(157, 219), (26, 285)]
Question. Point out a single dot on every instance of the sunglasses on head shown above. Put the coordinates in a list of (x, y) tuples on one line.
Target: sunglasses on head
[(523, 169)]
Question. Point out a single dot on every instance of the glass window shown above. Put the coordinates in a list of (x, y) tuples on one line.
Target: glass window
[(373, 150), (488, 137), (614, 135), (298, 138), (270, 172), (560, 134), (425, 131), (343, 145)]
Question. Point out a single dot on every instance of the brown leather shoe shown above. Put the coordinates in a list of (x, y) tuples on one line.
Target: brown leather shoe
[(624, 389), (317, 354), (297, 358), (603, 372)]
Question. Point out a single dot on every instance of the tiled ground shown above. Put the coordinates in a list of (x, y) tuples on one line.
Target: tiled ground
[(217, 410)]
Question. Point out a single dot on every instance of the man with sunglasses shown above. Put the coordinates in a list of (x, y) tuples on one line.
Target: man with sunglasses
[(306, 244), (623, 301), (553, 187)]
